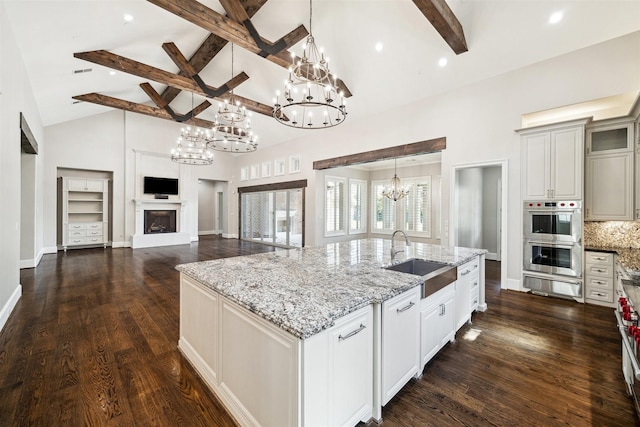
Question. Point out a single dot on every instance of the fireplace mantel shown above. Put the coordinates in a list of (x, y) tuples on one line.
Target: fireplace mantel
[(180, 237)]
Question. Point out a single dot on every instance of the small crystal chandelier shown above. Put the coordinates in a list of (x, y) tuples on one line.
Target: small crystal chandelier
[(395, 191), (310, 98), (192, 147), (232, 128)]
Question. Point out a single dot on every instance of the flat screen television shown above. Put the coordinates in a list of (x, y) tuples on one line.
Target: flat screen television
[(153, 185)]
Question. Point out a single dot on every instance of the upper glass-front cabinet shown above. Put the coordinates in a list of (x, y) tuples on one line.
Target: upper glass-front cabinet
[(610, 137)]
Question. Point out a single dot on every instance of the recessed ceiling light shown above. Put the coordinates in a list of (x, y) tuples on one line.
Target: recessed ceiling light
[(555, 17), (379, 47), (112, 73), (128, 18), (442, 62)]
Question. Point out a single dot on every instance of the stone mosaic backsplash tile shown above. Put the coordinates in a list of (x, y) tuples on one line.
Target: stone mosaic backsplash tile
[(614, 234)]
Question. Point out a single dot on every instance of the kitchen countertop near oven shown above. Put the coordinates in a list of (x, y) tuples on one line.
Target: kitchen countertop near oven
[(304, 291)]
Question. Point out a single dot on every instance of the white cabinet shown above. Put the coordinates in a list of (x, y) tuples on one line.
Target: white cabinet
[(467, 291), (338, 372), (552, 161), (400, 341), (265, 376), (609, 172), (609, 187), (83, 212), (437, 322), (599, 278)]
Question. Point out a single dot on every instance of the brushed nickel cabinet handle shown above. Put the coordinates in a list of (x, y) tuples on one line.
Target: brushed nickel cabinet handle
[(352, 333), (405, 308)]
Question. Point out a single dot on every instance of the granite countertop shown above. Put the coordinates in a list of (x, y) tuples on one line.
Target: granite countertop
[(304, 291), (628, 257)]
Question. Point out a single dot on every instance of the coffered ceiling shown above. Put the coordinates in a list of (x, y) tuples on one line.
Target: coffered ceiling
[(80, 53)]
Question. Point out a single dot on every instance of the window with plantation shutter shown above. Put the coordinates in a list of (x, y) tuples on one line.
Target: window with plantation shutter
[(417, 207), (335, 206), (384, 218), (357, 206)]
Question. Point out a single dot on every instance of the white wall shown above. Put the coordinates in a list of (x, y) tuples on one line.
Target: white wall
[(16, 96), (130, 146)]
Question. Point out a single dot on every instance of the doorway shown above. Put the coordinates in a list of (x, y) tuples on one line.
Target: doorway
[(479, 209), (211, 214)]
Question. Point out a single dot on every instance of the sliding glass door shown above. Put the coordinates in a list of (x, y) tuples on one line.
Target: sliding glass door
[(274, 217)]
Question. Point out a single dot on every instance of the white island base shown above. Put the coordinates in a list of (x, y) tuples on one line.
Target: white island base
[(266, 376)]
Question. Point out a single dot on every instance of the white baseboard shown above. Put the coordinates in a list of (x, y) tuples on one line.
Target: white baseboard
[(31, 263), (229, 236), (194, 238), (209, 232), (120, 244), (10, 305), (50, 250), (514, 284)]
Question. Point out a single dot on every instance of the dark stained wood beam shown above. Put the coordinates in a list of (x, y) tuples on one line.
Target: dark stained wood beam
[(157, 99), (117, 62), (421, 147), (211, 46), (147, 110), (235, 10), (186, 69), (445, 22), (225, 27)]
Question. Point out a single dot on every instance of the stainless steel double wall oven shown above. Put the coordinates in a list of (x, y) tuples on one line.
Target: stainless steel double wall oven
[(552, 255)]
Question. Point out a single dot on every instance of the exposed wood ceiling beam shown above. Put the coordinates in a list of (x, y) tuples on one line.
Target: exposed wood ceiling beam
[(117, 62), (186, 69), (147, 110), (211, 46), (445, 22), (421, 147), (157, 99), (225, 27)]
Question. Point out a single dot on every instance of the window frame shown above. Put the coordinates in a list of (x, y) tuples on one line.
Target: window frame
[(363, 206), (341, 206)]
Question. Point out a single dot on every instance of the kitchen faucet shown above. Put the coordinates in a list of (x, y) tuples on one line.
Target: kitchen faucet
[(394, 251)]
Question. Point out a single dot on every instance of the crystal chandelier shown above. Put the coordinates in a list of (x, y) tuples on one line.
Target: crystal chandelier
[(192, 147), (232, 128), (395, 191), (310, 98)]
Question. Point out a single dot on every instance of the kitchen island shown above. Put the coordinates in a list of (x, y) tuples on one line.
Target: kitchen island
[(294, 337)]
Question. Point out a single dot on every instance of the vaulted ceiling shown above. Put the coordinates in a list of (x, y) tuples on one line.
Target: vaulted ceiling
[(173, 60)]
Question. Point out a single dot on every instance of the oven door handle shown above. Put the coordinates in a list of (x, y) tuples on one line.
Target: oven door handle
[(627, 346), (557, 244)]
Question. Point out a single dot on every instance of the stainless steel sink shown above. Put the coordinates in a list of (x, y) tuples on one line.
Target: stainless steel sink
[(419, 267), (436, 274)]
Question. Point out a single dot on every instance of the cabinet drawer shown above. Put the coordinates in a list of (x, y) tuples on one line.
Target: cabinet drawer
[(600, 295), (600, 270), (78, 241), (94, 233), (94, 226), (95, 239), (475, 298), (77, 226), (469, 270), (600, 283), (599, 258), (77, 233)]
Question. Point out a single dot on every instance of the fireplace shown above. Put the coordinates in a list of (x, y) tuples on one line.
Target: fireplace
[(159, 221)]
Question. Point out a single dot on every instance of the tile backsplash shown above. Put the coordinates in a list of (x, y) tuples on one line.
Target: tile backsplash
[(615, 234)]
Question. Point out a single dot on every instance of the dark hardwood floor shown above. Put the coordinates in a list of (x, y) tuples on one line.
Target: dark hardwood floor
[(93, 342)]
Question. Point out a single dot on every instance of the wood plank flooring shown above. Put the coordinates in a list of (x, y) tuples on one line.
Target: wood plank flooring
[(93, 342)]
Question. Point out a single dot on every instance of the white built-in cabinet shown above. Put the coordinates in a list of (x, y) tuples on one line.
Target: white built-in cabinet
[(400, 342), (552, 161), (437, 322), (609, 171), (599, 278), (467, 291), (266, 376), (83, 211)]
